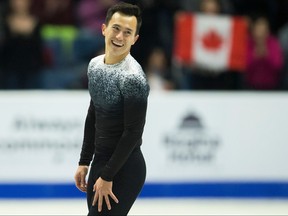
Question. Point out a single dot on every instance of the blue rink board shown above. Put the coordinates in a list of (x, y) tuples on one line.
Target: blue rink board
[(156, 190)]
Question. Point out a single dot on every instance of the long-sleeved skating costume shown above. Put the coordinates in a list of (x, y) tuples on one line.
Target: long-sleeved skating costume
[(114, 127)]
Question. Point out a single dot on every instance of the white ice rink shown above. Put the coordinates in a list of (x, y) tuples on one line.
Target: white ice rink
[(151, 207)]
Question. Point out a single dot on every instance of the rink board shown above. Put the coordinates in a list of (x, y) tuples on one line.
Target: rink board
[(196, 144)]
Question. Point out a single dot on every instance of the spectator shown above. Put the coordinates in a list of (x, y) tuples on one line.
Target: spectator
[(283, 37), (90, 15), (270, 8), (158, 72), (264, 58), (195, 6), (55, 12), (160, 14), (2, 5), (210, 7), (200, 78), (21, 58)]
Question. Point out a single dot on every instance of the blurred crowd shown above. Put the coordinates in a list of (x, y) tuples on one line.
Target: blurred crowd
[(47, 44)]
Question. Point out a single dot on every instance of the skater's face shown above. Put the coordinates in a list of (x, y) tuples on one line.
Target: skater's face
[(120, 34)]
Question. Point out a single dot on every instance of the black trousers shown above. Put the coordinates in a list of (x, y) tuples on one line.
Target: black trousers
[(127, 184)]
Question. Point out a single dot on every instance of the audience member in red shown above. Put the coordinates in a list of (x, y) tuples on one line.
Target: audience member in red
[(264, 58)]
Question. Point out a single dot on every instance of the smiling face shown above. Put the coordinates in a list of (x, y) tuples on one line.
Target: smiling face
[(120, 35)]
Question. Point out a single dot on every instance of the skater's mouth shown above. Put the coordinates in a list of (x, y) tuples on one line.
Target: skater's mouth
[(117, 44)]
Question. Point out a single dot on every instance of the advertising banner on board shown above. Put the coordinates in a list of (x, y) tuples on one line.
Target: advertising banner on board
[(189, 137)]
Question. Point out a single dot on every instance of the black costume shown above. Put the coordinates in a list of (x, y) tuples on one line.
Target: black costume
[(113, 131)]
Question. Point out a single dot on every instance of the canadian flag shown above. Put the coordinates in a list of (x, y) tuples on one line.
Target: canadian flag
[(211, 42)]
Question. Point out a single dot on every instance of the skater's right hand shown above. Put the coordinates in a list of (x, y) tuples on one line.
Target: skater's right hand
[(80, 178), (103, 191)]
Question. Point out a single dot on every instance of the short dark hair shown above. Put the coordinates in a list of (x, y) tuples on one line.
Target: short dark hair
[(126, 9)]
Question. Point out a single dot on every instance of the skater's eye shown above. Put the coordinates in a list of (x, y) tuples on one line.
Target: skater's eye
[(116, 28), (127, 33)]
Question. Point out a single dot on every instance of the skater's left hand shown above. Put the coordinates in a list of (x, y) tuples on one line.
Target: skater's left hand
[(103, 189)]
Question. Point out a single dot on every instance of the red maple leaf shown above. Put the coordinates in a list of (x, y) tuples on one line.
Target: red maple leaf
[(212, 40)]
